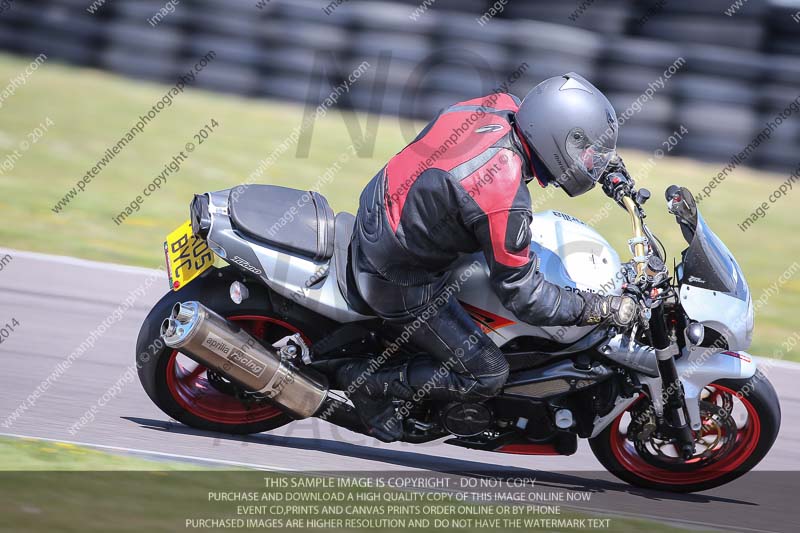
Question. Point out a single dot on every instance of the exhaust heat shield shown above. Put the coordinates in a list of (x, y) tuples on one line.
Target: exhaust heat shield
[(221, 345)]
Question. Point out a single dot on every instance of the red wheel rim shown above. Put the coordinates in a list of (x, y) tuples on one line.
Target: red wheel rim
[(192, 390), (745, 444)]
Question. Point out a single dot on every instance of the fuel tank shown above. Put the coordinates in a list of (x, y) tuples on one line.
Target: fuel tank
[(571, 255)]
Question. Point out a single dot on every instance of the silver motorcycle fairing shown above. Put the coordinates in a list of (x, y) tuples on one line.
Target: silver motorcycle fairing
[(571, 255), (730, 316)]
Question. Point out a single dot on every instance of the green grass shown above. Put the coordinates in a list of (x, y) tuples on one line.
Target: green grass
[(47, 486), (91, 110), (39, 455)]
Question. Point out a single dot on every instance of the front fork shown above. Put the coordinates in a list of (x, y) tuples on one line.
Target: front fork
[(675, 416)]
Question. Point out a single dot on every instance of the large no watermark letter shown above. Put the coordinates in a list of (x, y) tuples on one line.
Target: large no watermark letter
[(416, 81), (330, 83)]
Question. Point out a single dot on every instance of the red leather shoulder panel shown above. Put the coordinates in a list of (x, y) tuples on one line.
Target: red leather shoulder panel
[(494, 187), (455, 137)]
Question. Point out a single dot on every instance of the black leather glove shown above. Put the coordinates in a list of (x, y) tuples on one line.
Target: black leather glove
[(621, 310)]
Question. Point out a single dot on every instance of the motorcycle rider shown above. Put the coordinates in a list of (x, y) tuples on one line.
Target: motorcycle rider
[(461, 187)]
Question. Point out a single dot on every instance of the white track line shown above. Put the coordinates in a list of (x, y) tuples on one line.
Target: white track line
[(776, 363), (86, 263), (153, 453)]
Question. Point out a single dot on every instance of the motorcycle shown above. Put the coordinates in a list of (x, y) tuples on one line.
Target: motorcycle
[(673, 403)]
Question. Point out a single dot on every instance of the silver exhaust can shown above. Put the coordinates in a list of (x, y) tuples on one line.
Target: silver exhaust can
[(221, 345)]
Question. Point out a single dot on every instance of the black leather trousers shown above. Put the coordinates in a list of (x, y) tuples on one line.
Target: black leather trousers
[(460, 362)]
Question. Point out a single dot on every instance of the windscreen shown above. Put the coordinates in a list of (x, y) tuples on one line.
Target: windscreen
[(708, 264)]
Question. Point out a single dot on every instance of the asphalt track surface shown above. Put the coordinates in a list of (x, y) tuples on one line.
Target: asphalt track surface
[(58, 301)]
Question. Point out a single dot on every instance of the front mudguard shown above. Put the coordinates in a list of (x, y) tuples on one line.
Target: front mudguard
[(698, 367)]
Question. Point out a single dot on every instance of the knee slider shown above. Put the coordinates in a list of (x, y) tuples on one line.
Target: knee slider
[(490, 371)]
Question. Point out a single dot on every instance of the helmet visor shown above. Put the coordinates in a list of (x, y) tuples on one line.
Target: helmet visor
[(591, 158)]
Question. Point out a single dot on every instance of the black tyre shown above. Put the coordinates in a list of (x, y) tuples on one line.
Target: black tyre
[(724, 453), (190, 394)]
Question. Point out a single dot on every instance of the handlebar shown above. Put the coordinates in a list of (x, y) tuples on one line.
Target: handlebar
[(618, 185), (639, 242)]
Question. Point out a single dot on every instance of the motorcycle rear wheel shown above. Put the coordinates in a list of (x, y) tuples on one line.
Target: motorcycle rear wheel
[(185, 390), (729, 451)]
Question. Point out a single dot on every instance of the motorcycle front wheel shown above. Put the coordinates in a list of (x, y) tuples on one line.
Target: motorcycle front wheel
[(741, 419)]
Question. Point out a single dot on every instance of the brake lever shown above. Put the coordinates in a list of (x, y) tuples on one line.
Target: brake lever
[(618, 186), (618, 183)]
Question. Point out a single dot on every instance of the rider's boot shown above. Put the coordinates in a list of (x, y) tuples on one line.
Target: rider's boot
[(373, 393)]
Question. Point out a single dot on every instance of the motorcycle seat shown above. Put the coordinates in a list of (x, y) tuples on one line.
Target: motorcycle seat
[(344, 224), (292, 220)]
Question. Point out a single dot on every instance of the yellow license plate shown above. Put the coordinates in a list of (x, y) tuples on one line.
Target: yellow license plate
[(187, 256)]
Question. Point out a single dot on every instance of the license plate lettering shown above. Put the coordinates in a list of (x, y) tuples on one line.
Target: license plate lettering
[(183, 257), (202, 254), (180, 244), (187, 256)]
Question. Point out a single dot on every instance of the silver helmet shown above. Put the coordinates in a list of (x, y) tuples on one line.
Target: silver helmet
[(572, 129)]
